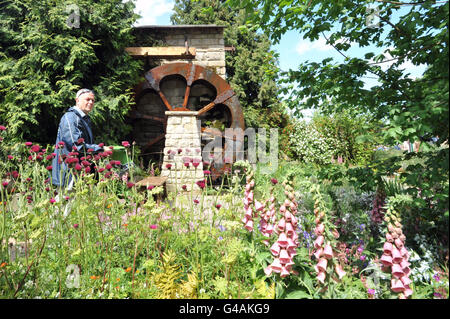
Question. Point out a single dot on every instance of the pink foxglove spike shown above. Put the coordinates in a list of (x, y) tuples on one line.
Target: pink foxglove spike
[(289, 265), (294, 221), (292, 251), (389, 238), (284, 256), (250, 197), (282, 209), (249, 225), (321, 277), (322, 264), (293, 207), (397, 285), (289, 229), (387, 248), (328, 251), (269, 229), (275, 249), (404, 264), (397, 271), (276, 266), (281, 224), (339, 271), (291, 244), (406, 281), (386, 260), (398, 243), (288, 216), (319, 229), (406, 271), (258, 206), (318, 242), (408, 291), (403, 251), (282, 240), (284, 272), (268, 270), (318, 253), (396, 256)]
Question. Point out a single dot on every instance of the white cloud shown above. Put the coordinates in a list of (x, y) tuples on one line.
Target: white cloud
[(305, 45), (319, 45), (150, 10)]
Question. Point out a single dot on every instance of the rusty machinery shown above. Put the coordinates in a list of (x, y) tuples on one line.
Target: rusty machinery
[(184, 87)]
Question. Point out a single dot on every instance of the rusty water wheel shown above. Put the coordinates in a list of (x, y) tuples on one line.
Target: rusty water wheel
[(184, 87)]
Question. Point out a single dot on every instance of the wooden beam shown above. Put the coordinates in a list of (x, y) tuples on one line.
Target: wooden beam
[(161, 52)]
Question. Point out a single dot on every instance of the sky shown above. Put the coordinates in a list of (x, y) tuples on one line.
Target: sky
[(292, 48)]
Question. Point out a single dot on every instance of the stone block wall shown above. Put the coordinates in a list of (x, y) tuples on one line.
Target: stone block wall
[(207, 40), (183, 164)]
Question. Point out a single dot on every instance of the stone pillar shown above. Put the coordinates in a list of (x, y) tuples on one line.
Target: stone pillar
[(182, 164)]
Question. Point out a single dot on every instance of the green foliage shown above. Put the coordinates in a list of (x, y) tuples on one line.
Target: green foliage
[(50, 49)]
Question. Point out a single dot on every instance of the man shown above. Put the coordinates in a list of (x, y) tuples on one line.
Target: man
[(74, 135)]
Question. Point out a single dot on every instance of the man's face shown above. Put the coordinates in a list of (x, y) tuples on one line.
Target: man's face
[(86, 102)]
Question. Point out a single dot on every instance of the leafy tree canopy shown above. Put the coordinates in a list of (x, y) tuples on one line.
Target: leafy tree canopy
[(51, 48), (393, 32)]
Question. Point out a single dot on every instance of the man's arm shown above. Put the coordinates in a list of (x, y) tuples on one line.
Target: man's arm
[(71, 134)]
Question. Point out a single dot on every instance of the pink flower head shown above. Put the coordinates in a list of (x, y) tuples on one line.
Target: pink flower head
[(268, 270), (130, 185), (75, 226), (52, 200), (184, 187), (396, 256), (275, 249), (218, 206), (386, 260), (249, 225), (153, 226), (196, 201), (318, 242), (318, 253), (195, 162), (398, 243), (282, 240), (284, 256), (328, 251), (201, 184), (258, 206), (319, 229), (49, 168), (339, 271), (35, 148), (10, 157), (78, 167), (168, 166), (5, 183), (150, 187), (397, 285), (125, 144), (387, 248), (80, 140), (397, 270), (28, 143), (207, 172), (281, 224), (321, 277), (284, 272), (276, 265), (322, 264), (274, 181), (2, 128)]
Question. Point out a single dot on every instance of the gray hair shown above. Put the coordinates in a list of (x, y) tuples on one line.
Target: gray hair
[(83, 91)]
